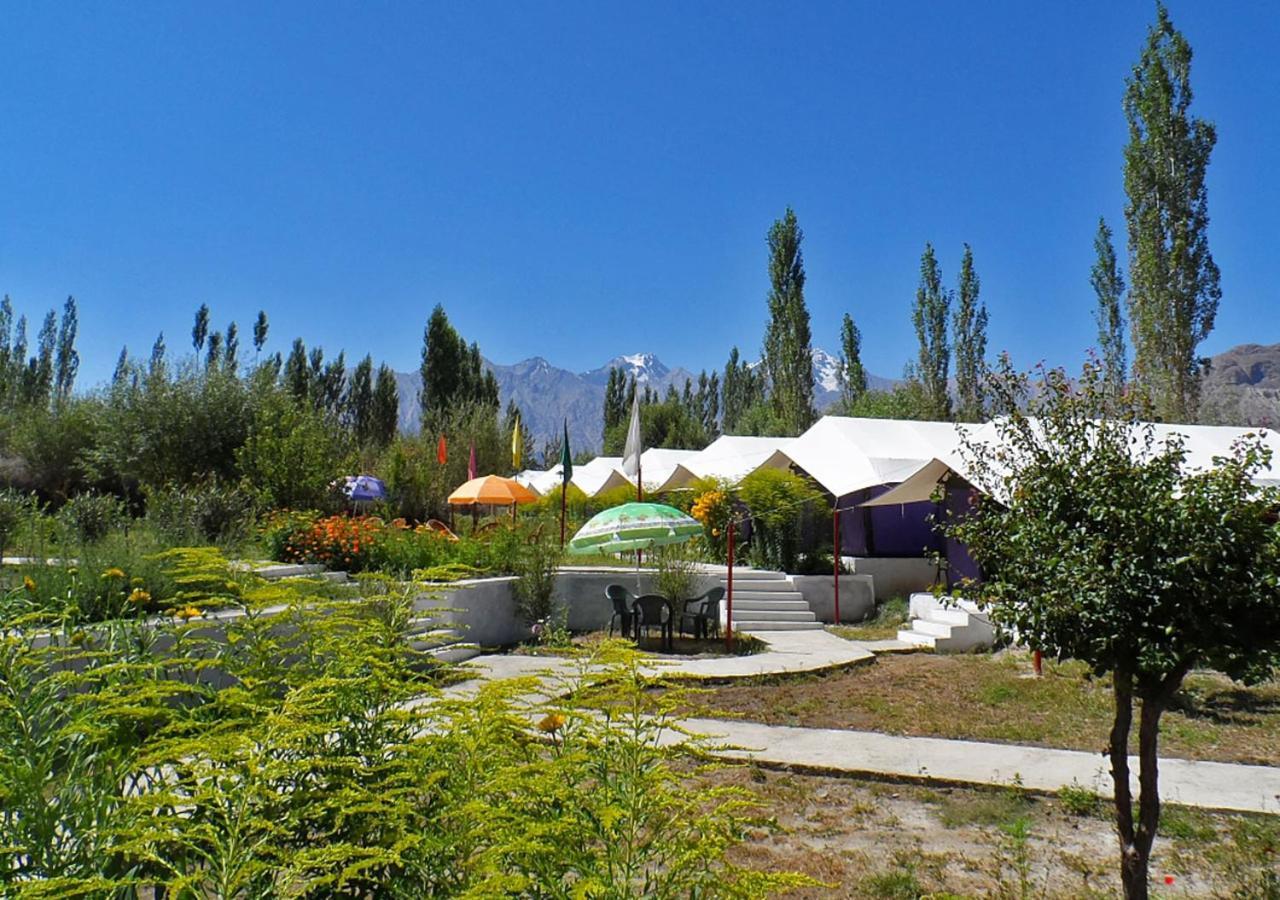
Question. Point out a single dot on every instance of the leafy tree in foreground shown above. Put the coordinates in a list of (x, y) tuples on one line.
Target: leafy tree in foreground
[(1173, 289), (1102, 546)]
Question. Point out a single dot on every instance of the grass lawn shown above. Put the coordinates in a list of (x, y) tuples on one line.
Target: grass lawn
[(995, 698), (889, 617), (870, 839)]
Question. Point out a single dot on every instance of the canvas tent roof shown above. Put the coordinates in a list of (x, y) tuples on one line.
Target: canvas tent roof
[(1202, 443), (728, 458), (590, 477), (656, 466), (539, 481), (845, 454)]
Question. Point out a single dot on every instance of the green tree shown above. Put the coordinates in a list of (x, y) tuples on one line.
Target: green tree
[(615, 399), (200, 329), (442, 364), (929, 315), (297, 374), (779, 501), (788, 354), (853, 377), (905, 400), (67, 359), (156, 366), (740, 390), (386, 406), (970, 343), (1173, 280), (231, 348), (1108, 287), (291, 454), (1101, 544), (358, 402), (260, 332)]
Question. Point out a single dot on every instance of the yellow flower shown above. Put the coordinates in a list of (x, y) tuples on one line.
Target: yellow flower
[(551, 723), (137, 582), (29, 583), (73, 571), (188, 612), (113, 572), (139, 596)]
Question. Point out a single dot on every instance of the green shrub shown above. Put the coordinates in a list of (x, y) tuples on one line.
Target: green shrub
[(15, 509), (536, 570), (212, 512), (677, 571), (779, 502), (91, 516), (1079, 801)]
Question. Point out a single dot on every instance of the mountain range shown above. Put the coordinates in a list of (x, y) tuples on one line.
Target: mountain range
[(548, 395)]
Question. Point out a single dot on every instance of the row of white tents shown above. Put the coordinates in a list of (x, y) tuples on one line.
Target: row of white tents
[(846, 456)]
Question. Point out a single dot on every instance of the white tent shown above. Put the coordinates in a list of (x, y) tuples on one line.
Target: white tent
[(1202, 443), (845, 455), (538, 481), (656, 466), (728, 458), (591, 477)]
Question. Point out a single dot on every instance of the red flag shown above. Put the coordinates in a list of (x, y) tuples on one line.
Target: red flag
[(442, 452), (471, 464)]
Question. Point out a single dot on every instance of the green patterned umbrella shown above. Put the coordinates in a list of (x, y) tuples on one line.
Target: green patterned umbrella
[(634, 526)]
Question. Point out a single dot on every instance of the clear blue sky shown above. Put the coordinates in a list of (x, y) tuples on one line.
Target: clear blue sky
[(579, 180)]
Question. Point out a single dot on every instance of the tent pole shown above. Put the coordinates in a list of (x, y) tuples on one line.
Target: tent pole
[(728, 622), (835, 554), (564, 493)]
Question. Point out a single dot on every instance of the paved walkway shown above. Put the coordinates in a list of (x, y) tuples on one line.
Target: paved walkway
[(1210, 785)]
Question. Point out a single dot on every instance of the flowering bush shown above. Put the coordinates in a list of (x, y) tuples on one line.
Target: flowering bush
[(343, 542), (713, 508)]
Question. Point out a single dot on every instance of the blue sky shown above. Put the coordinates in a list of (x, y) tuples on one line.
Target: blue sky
[(576, 180)]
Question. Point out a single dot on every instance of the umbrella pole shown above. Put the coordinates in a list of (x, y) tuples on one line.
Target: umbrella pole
[(728, 622)]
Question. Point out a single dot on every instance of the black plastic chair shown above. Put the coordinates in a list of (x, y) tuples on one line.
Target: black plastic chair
[(620, 597), (705, 616), (654, 610)]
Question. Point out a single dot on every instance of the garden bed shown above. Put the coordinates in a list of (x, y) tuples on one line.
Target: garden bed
[(996, 698)]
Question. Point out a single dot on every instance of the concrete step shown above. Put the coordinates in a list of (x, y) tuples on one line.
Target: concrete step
[(772, 615), (949, 616), (917, 639), (937, 629), (762, 603), (756, 584), (756, 575), (752, 626), (766, 595)]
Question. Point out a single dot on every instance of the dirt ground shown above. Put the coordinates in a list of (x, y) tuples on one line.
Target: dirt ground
[(994, 698), (872, 839)]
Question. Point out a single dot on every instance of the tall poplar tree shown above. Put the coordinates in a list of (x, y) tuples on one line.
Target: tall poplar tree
[(929, 315), (970, 343), (1173, 289), (260, 331), (788, 354), (853, 377), (386, 406), (443, 363), (358, 402), (1108, 287), (66, 357), (200, 329)]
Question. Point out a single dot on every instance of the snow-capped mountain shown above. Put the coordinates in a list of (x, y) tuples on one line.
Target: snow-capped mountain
[(548, 396)]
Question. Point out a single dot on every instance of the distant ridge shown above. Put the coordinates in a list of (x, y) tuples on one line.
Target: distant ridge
[(547, 395)]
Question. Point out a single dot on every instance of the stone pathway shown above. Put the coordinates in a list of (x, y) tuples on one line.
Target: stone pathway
[(1220, 786)]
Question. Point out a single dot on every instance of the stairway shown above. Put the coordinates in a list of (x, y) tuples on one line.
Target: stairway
[(947, 625), (767, 601)]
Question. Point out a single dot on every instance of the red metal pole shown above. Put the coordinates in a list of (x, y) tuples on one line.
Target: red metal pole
[(728, 622), (835, 553)]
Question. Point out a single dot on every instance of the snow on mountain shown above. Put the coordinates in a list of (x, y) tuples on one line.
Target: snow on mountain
[(826, 371)]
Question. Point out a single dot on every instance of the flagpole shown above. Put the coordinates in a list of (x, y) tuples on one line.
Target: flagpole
[(564, 493)]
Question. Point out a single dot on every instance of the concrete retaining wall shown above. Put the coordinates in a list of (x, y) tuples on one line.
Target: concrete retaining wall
[(894, 577), (484, 610), (857, 596)]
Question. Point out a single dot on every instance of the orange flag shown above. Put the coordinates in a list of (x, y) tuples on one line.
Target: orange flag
[(442, 452)]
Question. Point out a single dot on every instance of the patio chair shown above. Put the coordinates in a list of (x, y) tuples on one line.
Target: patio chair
[(704, 618), (653, 610), (620, 597)]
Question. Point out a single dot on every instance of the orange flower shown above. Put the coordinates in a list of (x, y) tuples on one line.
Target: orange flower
[(551, 723)]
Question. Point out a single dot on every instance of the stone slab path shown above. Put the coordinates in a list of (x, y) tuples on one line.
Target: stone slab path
[(1211, 785), (1220, 786)]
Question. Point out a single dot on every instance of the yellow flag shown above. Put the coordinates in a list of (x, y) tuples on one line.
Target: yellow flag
[(517, 446)]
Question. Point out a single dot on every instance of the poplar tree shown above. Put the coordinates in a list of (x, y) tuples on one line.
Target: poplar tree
[(200, 329), (442, 363), (67, 359), (1173, 289), (929, 315), (970, 343), (42, 364), (260, 331), (231, 348), (788, 354), (156, 367), (386, 406), (615, 408), (853, 377), (1108, 287), (214, 359), (358, 402), (297, 374)]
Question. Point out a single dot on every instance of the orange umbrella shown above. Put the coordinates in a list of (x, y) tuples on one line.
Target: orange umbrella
[(492, 490)]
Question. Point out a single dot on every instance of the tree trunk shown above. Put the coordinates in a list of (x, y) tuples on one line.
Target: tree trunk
[(1133, 864)]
